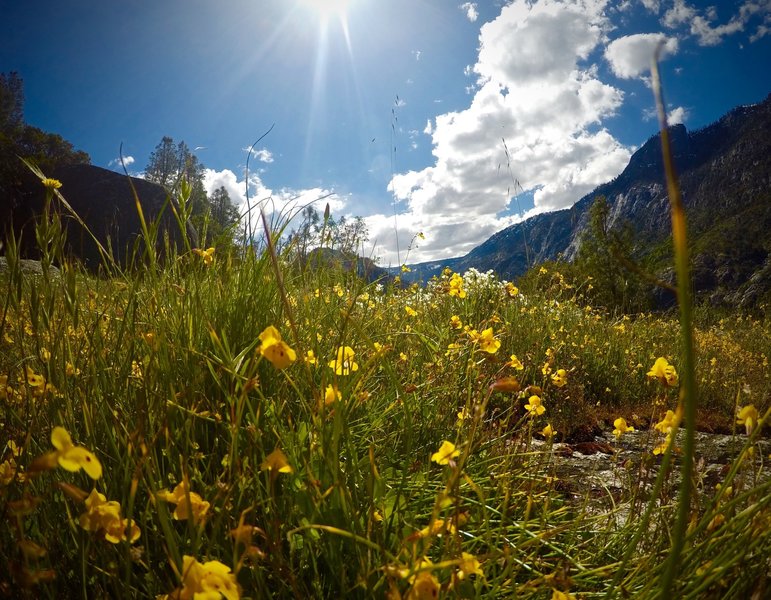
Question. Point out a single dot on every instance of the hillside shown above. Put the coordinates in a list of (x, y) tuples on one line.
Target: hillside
[(724, 177)]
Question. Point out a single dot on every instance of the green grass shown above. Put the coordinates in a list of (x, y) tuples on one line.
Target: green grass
[(305, 482)]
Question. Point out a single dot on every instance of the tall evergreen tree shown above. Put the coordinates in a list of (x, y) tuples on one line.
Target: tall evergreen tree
[(172, 162), (604, 255)]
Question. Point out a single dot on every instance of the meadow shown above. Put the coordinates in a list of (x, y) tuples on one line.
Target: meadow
[(234, 423)]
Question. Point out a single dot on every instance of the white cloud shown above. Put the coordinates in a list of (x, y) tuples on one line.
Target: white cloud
[(534, 92), (630, 56), (470, 8), (678, 14), (127, 160), (677, 115), (709, 34), (264, 155), (283, 202), (652, 5), (712, 36), (761, 31)]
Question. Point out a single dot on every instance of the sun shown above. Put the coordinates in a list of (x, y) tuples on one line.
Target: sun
[(328, 8)]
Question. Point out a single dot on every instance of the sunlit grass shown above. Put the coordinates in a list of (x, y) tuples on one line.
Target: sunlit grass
[(328, 438)]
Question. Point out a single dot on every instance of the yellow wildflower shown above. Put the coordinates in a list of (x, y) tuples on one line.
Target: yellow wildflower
[(560, 378), (410, 311), (7, 471), (72, 457), (105, 517), (331, 394), (208, 581), (276, 461), (275, 349), (52, 184), (621, 427), (664, 372), (34, 379), (670, 422), (548, 432), (206, 255), (456, 286), (662, 447), (344, 363), (515, 363), (310, 358), (70, 370), (469, 565), (424, 587), (189, 504), (747, 416), (534, 406), (445, 454), (512, 290), (451, 348), (487, 342), (455, 322)]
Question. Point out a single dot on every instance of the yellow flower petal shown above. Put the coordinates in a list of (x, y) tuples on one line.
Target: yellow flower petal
[(445, 453), (60, 439), (77, 458)]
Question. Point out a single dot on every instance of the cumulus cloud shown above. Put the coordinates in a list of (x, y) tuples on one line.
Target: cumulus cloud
[(630, 56), (677, 115), (470, 8), (127, 160), (284, 201), (702, 21), (264, 155), (536, 116), (680, 13)]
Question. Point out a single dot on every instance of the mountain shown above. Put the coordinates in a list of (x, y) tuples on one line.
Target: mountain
[(724, 174)]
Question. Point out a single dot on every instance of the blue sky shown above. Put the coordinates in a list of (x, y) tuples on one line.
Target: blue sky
[(419, 115)]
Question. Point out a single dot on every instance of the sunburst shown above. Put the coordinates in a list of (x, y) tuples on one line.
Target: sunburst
[(328, 8)]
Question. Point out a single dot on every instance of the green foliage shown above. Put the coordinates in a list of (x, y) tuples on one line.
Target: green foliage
[(174, 166), (346, 237), (604, 256), (164, 376)]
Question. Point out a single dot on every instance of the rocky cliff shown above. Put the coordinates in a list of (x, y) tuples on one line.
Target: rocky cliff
[(724, 171), (104, 200)]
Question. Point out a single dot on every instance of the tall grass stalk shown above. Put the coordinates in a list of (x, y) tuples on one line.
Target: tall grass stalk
[(688, 394)]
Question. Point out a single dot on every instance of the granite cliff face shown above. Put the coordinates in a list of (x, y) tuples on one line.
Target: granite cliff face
[(104, 200), (724, 171)]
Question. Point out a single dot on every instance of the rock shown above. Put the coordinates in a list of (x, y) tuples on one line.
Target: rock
[(30, 267), (104, 200)]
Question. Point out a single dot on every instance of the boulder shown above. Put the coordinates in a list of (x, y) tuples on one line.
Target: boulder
[(104, 200)]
